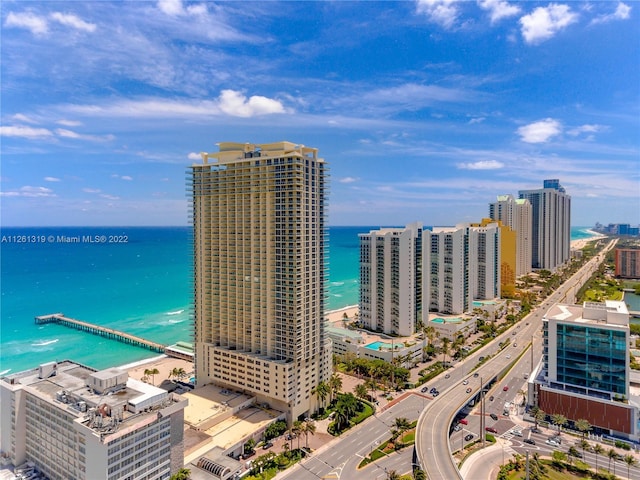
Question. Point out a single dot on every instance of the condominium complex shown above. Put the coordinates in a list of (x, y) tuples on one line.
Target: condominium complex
[(391, 279), (551, 225), (461, 264), (584, 372), (516, 214), (628, 262), (258, 215), (508, 253), (72, 421)]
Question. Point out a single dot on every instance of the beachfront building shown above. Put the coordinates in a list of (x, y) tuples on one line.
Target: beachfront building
[(461, 264), (584, 372), (551, 225), (258, 214), (627, 262), (508, 253), (391, 279), (516, 213), (71, 421)]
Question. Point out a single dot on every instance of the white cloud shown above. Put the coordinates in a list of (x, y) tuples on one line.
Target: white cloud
[(69, 123), (73, 21), (51, 179), (442, 12), (19, 117), (67, 133), (540, 132), (25, 132), (91, 190), (34, 23), (126, 177), (62, 132), (481, 165), (194, 156), (477, 120), (109, 197), (622, 13), (29, 191), (498, 9), (348, 180), (235, 103), (574, 132), (171, 7), (544, 22)]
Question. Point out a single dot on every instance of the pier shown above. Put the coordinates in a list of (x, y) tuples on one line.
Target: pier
[(109, 333)]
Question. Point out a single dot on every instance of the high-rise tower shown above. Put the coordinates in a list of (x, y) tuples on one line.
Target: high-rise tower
[(551, 224), (258, 214), (516, 214)]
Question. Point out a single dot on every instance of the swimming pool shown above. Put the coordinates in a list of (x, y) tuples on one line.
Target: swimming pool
[(379, 345)]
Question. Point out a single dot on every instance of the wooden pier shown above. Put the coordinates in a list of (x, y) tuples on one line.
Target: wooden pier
[(109, 333)]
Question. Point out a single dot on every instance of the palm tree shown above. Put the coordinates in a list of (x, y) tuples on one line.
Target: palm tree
[(445, 349), (322, 390), (585, 446), (182, 474), (597, 450), (361, 391), (296, 429), (631, 462), (402, 425), (372, 386), (335, 385), (309, 428), (393, 475), (583, 426), (573, 452), (152, 372), (559, 420), (538, 415), (613, 455)]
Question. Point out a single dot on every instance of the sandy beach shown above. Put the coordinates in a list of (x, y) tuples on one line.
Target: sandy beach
[(580, 244), (165, 366)]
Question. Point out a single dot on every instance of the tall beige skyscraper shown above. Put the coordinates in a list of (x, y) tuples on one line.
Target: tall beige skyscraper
[(258, 214), (516, 213)]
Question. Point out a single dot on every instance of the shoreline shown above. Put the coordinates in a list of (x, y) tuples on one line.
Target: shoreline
[(580, 243)]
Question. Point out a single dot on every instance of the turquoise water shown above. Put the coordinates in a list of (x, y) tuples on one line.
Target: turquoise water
[(633, 301), (142, 287), (438, 320), (378, 345)]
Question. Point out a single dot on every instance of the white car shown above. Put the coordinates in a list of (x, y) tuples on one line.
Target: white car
[(466, 382)]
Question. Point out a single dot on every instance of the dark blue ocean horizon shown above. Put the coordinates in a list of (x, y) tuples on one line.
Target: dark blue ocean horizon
[(135, 279)]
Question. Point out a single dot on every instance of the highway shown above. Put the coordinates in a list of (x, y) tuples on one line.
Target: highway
[(432, 433)]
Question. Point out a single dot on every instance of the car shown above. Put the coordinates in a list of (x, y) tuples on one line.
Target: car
[(447, 376), (526, 375), (491, 429), (481, 359), (527, 323), (517, 433), (551, 442), (513, 333), (536, 430), (508, 357), (468, 437), (267, 445), (469, 390), (475, 375), (505, 388), (494, 416), (457, 428), (491, 398), (433, 390), (530, 441), (464, 421), (515, 344), (423, 389), (436, 393), (465, 382)]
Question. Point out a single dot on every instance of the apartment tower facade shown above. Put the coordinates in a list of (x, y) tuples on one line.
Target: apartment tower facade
[(391, 279), (258, 216), (516, 213), (551, 225)]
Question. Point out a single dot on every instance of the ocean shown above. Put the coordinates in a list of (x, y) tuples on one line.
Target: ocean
[(134, 279)]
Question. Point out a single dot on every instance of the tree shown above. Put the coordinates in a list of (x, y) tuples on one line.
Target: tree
[(585, 446), (597, 450), (538, 415), (152, 372), (559, 458), (419, 474), (361, 390), (445, 349), (583, 426), (249, 445), (309, 428), (559, 420), (402, 425), (182, 474), (296, 430), (573, 452), (393, 475), (335, 385), (372, 386), (631, 462), (322, 390), (613, 455)]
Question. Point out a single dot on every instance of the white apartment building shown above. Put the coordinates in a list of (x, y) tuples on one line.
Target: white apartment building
[(391, 279), (461, 264), (72, 421), (551, 225), (258, 215), (516, 213)]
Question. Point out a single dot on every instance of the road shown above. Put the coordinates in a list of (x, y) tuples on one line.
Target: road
[(433, 449)]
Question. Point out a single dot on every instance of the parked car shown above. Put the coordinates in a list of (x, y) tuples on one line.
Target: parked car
[(468, 437), (469, 390), (447, 376), (436, 393), (465, 382), (494, 416), (464, 421), (509, 356), (267, 445), (530, 441), (475, 375), (505, 388), (457, 428), (491, 398), (433, 390), (423, 389), (491, 429)]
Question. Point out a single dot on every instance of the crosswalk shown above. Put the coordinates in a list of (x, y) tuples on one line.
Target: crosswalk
[(513, 432)]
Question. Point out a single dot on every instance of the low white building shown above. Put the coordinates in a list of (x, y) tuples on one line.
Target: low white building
[(452, 326), (72, 421)]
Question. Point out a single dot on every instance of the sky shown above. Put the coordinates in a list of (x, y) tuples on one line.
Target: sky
[(425, 111)]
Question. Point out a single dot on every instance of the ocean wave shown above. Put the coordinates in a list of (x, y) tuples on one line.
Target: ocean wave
[(44, 343), (176, 321), (177, 312), (4, 372), (337, 284)]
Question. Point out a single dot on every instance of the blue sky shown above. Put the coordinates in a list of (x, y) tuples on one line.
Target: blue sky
[(425, 111)]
